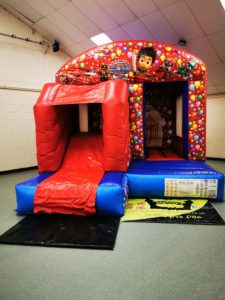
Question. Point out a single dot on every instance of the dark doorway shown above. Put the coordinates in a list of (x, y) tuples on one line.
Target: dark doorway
[(165, 120)]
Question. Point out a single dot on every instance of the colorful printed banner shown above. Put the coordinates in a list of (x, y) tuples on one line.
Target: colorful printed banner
[(187, 211)]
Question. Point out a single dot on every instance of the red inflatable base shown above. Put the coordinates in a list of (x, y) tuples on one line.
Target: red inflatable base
[(162, 154), (72, 190)]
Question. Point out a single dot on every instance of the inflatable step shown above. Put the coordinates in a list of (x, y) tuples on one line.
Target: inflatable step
[(160, 179)]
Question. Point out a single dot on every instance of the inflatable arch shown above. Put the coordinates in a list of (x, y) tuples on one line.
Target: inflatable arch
[(125, 118), (168, 70)]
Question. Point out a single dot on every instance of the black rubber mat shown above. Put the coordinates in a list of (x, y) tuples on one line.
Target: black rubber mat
[(94, 232)]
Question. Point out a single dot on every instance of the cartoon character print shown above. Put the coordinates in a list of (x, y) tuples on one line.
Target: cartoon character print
[(145, 58), (63, 79), (104, 73), (165, 69), (186, 70)]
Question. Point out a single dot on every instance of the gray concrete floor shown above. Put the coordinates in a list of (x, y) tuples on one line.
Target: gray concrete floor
[(150, 261)]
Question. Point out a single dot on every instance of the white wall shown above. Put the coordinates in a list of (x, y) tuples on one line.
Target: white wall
[(24, 69), (215, 127)]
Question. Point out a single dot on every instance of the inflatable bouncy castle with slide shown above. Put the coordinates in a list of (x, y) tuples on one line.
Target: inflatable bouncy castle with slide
[(126, 119)]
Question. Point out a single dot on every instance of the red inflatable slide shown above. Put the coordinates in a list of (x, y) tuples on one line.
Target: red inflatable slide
[(79, 161), (72, 189)]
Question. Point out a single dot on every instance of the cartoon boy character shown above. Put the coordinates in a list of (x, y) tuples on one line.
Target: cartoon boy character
[(145, 59)]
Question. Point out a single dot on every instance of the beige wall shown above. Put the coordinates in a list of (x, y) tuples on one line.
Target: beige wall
[(215, 127), (24, 69)]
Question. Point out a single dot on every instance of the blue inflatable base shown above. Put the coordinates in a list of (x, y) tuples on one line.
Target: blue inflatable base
[(111, 194), (144, 179), (174, 179), (25, 193)]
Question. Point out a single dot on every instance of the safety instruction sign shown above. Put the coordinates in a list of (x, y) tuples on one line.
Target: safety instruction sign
[(206, 188)]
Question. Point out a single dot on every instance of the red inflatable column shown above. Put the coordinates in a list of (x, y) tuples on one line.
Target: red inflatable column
[(115, 110)]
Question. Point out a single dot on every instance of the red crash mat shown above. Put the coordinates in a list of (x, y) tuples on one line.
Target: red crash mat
[(72, 189)]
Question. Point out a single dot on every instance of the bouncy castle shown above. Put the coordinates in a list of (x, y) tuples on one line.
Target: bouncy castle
[(125, 119)]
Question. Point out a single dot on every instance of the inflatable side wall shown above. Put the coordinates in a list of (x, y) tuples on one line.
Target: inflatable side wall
[(52, 130), (53, 123)]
